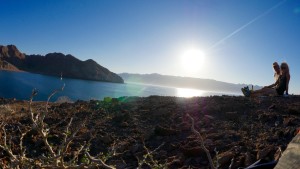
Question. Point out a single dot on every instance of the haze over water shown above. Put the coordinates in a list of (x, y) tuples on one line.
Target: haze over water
[(19, 85)]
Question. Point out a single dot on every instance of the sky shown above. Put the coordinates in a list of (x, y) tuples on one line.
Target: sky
[(237, 40)]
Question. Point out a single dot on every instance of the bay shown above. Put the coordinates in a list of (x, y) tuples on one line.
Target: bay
[(19, 85)]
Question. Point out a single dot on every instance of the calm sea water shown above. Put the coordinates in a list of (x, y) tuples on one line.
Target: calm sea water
[(19, 85)]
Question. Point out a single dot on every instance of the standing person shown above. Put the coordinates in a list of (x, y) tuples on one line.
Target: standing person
[(281, 85)]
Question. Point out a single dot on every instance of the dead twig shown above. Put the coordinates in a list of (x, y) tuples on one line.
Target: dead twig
[(202, 142)]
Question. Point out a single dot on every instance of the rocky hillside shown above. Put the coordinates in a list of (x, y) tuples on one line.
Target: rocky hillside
[(57, 64), (4, 65), (242, 130)]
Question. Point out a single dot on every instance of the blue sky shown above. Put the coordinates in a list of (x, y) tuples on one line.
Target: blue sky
[(240, 38)]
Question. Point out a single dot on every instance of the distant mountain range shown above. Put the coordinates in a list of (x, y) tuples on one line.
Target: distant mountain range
[(58, 64), (184, 82), (55, 64)]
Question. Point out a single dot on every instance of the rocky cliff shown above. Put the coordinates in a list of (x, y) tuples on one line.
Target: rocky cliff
[(4, 65), (57, 64)]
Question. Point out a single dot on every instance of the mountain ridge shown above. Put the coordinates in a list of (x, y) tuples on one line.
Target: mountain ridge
[(55, 64), (184, 82)]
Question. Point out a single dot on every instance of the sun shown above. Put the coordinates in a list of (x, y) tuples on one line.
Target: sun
[(192, 60)]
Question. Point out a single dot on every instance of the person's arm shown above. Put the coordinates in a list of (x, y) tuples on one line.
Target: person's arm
[(288, 77), (272, 85)]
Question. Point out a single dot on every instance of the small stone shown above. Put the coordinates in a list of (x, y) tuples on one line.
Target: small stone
[(124, 124), (161, 131), (273, 106), (225, 158), (249, 158), (192, 151), (264, 152), (106, 139)]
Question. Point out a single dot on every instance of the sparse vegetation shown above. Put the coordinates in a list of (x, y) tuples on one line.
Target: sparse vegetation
[(58, 154), (129, 132)]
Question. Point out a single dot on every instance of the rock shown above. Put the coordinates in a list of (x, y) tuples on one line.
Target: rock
[(289, 121), (136, 147), (120, 164), (237, 162), (272, 107), (225, 158), (192, 151), (124, 124), (161, 131), (174, 162), (289, 133), (10, 51), (261, 154), (249, 159), (58, 64), (264, 118), (4, 65), (106, 139)]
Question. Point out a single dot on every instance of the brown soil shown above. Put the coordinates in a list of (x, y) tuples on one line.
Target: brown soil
[(239, 128)]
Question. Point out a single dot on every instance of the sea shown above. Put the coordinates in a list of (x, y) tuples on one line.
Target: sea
[(20, 85)]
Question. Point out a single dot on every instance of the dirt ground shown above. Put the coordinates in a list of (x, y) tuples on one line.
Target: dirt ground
[(155, 131)]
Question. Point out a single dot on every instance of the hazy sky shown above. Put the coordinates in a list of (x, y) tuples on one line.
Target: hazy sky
[(240, 39)]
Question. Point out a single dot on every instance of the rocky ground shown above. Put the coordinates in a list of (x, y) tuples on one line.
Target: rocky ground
[(155, 132)]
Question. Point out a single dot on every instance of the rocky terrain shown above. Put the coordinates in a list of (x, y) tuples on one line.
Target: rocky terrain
[(4, 65), (55, 64), (155, 132)]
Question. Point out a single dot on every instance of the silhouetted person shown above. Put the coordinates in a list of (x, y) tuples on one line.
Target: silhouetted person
[(280, 86)]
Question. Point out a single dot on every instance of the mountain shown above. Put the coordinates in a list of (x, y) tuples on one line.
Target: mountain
[(184, 82), (56, 64), (4, 65)]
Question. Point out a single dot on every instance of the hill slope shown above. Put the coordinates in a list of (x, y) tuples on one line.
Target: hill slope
[(184, 82), (57, 64)]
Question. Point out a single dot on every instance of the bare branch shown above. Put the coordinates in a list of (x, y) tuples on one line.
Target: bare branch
[(22, 149), (98, 161), (53, 93), (149, 153), (33, 118), (202, 143), (5, 147)]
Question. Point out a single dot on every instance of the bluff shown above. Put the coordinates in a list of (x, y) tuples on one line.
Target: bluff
[(57, 64)]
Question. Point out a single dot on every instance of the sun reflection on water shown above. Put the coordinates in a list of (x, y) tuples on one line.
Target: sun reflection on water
[(185, 92)]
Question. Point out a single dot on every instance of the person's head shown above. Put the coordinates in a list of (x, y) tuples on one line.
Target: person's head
[(276, 67), (284, 67)]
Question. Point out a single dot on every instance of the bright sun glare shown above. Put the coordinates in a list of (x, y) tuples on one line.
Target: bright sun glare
[(185, 92), (192, 60)]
